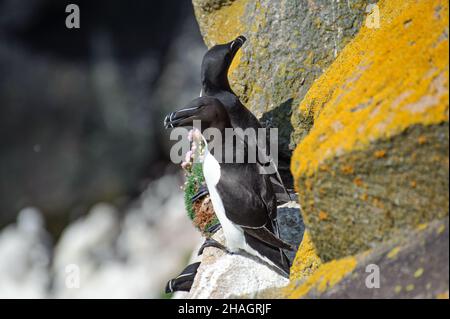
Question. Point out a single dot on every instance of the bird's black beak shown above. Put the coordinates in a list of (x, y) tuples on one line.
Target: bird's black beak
[(183, 117), (236, 44)]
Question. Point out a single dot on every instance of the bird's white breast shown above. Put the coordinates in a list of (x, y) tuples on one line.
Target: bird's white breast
[(234, 235)]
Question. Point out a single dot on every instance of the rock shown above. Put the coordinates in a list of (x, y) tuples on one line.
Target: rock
[(222, 275), (84, 247), (414, 265), (291, 225), (106, 254), (126, 258), (25, 253), (376, 158), (290, 43), (368, 117), (306, 260)]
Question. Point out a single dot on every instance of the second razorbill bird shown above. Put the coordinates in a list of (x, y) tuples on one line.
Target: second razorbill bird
[(214, 76), (243, 199)]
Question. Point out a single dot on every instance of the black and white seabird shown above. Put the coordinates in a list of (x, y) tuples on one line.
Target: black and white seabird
[(184, 281), (243, 199), (214, 76)]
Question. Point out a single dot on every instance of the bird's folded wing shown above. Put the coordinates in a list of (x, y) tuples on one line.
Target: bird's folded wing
[(249, 202), (266, 165), (268, 237), (239, 193)]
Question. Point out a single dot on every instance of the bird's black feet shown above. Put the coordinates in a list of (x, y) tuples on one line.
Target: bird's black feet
[(184, 281), (209, 242), (202, 192), (214, 228)]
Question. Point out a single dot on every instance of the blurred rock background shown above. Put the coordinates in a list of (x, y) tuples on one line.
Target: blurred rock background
[(81, 124)]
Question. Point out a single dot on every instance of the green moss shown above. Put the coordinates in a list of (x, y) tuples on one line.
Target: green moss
[(194, 180)]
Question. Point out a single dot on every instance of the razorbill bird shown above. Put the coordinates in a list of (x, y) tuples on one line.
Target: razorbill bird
[(214, 76), (243, 199), (184, 281)]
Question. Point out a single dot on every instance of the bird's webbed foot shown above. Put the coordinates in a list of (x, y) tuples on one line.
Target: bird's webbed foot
[(202, 192), (209, 242)]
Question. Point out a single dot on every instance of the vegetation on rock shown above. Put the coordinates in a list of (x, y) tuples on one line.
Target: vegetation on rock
[(201, 211)]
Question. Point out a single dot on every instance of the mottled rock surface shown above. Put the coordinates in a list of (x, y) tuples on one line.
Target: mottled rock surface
[(366, 107), (290, 43), (221, 275), (414, 265), (376, 158)]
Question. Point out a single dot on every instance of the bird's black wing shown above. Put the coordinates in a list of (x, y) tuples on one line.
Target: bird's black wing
[(239, 191), (241, 188), (241, 117)]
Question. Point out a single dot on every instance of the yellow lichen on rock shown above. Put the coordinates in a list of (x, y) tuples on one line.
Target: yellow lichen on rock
[(223, 25), (393, 253), (325, 277), (234, 65), (380, 115), (383, 82), (306, 260)]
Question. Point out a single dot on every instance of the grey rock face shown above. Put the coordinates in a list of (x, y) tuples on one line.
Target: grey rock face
[(415, 268)]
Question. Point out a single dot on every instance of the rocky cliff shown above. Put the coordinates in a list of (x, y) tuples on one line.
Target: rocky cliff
[(360, 91)]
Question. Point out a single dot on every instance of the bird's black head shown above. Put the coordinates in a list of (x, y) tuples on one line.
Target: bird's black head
[(216, 63), (208, 110)]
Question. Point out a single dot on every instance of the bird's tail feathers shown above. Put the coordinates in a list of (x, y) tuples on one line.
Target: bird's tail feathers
[(267, 237), (274, 256)]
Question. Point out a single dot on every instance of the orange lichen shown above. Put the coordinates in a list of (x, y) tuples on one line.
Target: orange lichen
[(443, 295), (422, 140), (377, 203), (358, 181), (347, 169), (413, 184), (380, 153), (399, 87), (323, 215), (325, 277)]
